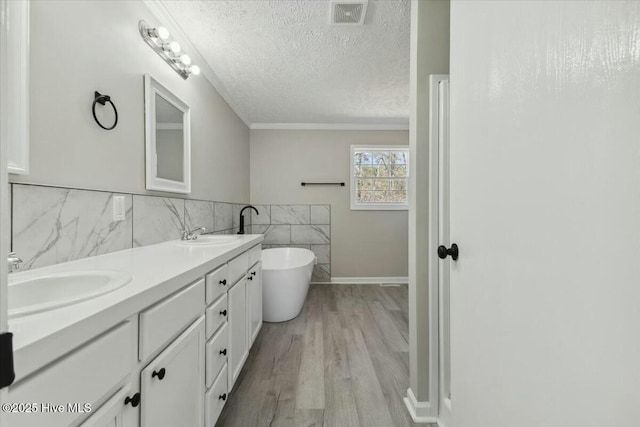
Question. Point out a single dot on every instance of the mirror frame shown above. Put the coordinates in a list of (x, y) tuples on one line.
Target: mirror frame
[(152, 87)]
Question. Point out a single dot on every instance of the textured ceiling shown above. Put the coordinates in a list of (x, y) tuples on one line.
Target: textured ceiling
[(282, 62)]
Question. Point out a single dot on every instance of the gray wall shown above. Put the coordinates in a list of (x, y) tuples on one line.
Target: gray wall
[(429, 55), (78, 47), (363, 243)]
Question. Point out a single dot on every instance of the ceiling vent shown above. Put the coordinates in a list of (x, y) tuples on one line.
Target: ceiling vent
[(348, 12)]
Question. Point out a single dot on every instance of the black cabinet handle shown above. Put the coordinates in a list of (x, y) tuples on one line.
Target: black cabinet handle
[(223, 282), (250, 278), (159, 374), (133, 400), (223, 396), (223, 313), (253, 273), (452, 251), (223, 351)]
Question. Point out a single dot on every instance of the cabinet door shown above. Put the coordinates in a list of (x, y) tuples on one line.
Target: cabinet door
[(238, 337), (173, 383), (254, 301), (115, 412)]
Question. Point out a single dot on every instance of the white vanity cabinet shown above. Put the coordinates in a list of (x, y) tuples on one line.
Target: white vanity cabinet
[(233, 321), (172, 385), (172, 363)]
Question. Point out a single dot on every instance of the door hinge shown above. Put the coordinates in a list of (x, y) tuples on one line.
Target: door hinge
[(7, 374)]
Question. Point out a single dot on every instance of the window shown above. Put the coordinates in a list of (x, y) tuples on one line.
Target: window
[(379, 177)]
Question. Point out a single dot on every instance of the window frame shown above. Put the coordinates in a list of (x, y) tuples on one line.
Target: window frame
[(355, 206)]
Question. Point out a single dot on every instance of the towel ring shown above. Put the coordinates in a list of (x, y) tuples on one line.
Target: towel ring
[(102, 100)]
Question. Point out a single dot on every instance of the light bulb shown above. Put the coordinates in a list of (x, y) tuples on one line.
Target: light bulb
[(174, 47), (185, 59), (194, 69), (162, 33)]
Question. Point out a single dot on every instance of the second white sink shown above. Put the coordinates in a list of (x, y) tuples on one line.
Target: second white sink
[(211, 239), (34, 294)]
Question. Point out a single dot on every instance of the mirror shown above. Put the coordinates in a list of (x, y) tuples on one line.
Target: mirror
[(168, 142)]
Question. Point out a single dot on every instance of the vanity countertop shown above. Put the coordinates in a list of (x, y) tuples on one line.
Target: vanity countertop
[(157, 271)]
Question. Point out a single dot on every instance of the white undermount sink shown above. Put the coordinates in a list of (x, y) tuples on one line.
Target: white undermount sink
[(211, 239), (33, 294)]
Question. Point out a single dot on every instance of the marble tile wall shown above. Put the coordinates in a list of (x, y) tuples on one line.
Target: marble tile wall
[(306, 226), (51, 225)]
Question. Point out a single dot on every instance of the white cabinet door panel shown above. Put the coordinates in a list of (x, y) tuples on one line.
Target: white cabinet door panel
[(238, 336), (173, 383), (254, 301)]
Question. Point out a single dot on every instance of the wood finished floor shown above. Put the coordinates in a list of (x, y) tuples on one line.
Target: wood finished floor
[(342, 362)]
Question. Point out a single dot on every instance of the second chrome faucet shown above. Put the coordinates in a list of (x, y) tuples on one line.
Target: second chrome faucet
[(192, 234)]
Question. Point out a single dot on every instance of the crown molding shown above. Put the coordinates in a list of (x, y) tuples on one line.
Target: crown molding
[(330, 126), (160, 12)]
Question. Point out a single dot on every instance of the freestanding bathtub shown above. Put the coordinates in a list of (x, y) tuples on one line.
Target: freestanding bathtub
[(286, 274)]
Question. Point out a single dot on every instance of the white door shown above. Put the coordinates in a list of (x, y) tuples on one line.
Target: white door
[(4, 187), (172, 385), (238, 329), (440, 87), (545, 208)]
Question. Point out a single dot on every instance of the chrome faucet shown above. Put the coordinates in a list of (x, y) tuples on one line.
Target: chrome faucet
[(192, 234), (241, 228), (14, 262)]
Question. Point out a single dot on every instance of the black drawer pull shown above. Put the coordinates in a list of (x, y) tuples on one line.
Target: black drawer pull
[(253, 273), (223, 282), (223, 352), (134, 400), (223, 313), (159, 374), (223, 396), (250, 278)]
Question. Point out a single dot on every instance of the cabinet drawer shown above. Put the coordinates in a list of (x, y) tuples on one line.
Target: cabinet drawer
[(167, 318), (217, 350), (255, 254), (217, 283), (238, 267), (215, 398), (216, 315), (87, 375)]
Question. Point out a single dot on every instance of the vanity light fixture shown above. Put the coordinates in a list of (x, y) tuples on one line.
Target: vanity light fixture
[(158, 39)]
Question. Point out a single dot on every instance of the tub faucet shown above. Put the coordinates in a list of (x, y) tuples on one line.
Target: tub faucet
[(241, 230), (192, 234), (14, 262)]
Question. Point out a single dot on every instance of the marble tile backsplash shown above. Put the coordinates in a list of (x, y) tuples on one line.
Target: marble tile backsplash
[(51, 225), (305, 226)]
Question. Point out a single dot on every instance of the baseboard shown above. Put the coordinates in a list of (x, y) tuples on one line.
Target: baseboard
[(421, 412), (369, 280)]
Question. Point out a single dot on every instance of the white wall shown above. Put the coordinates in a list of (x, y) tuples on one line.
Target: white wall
[(363, 243), (78, 47)]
